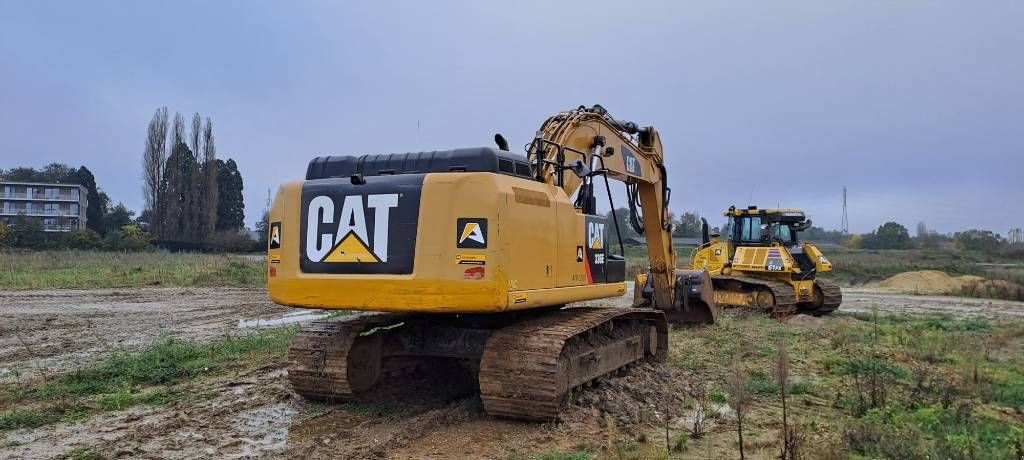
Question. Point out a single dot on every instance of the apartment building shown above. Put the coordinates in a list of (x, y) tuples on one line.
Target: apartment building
[(59, 207)]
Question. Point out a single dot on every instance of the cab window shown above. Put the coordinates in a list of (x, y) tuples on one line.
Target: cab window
[(781, 232), (750, 229)]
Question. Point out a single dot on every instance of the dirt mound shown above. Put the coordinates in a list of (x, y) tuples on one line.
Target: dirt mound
[(934, 282), (805, 321), (640, 395)]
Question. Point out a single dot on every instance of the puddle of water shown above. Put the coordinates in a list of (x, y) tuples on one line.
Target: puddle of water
[(297, 316), (265, 429)]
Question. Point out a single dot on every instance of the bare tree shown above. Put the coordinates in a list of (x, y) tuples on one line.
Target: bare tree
[(739, 399), (153, 158), (209, 176), (178, 131), (196, 134), (789, 441)]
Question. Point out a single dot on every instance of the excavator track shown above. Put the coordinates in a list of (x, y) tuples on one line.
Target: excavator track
[(333, 360), (528, 369), (528, 364), (784, 299), (833, 296)]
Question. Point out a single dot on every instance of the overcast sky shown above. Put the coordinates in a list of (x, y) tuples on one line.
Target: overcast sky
[(915, 106)]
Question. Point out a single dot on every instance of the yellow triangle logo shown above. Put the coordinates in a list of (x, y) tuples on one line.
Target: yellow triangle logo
[(351, 249), (597, 244)]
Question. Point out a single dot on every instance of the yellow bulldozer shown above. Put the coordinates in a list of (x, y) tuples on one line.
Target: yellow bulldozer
[(762, 264), (471, 256)]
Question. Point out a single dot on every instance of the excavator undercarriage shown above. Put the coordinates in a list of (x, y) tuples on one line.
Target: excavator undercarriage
[(527, 363)]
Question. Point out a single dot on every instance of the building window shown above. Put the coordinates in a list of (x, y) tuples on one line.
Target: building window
[(74, 208), (52, 193), (74, 194)]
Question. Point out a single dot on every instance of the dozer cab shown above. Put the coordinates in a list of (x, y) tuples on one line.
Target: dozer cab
[(759, 262)]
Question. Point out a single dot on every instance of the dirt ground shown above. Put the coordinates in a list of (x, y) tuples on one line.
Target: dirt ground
[(52, 331), (255, 414)]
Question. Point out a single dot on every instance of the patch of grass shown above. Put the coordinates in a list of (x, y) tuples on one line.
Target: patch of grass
[(27, 418), (74, 415), (126, 379), (83, 453), (802, 387), (165, 363), (930, 432), (74, 269), (760, 384), (559, 455)]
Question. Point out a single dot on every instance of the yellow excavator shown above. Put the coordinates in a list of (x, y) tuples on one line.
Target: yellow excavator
[(762, 264), (472, 255)]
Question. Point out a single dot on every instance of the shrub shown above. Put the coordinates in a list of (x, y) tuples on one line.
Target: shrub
[(130, 238), (231, 241), (82, 239), (5, 235)]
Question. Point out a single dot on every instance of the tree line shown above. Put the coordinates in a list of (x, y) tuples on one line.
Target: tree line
[(890, 235), (193, 199)]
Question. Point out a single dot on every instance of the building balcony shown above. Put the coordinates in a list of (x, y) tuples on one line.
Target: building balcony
[(37, 213), (35, 197), (58, 228)]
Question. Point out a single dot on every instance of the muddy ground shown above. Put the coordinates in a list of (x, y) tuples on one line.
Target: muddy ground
[(256, 414)]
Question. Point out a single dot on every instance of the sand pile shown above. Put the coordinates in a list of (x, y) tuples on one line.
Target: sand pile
[(934, 282), (928, 282)]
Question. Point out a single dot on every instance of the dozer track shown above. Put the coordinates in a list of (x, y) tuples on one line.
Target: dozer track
[(781, 305), (528, 369), (527, 364), (832, 296)]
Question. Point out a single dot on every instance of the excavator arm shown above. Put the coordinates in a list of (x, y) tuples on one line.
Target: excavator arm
[(573, 145)]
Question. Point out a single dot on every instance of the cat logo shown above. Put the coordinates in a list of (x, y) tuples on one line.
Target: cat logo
[(275, 235), (631, 163), (595, 235), (472, 233), (350, 241)]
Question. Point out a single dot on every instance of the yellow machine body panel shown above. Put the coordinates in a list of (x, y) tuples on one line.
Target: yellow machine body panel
[(464, 242)]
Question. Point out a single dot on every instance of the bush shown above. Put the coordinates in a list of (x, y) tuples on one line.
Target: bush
[(231, 241), (130, 238), (82, 239), (978, 240), (5, 235)]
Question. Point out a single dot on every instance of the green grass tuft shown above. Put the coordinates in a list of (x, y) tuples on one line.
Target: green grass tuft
[(28, 418), (165, 363)]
